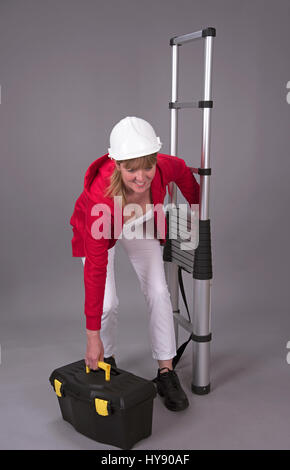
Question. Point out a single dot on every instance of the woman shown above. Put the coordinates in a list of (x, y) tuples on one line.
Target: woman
[(133, 175)]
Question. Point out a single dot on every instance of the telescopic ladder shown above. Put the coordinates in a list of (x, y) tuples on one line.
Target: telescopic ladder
[(198, 262)]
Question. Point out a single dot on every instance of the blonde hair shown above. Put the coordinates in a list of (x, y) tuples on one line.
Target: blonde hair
[(116, 186)]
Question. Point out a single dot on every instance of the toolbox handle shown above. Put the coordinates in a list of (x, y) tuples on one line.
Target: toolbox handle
[(105, 366)]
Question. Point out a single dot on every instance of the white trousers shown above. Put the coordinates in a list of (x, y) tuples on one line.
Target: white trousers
[(147, 261)]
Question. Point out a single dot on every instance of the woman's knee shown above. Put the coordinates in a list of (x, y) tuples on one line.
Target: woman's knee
[(156, 291)]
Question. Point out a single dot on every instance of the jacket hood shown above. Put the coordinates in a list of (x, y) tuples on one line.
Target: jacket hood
[(97, 179)]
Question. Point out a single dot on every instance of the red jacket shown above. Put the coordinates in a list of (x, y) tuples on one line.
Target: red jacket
[(97, 178)]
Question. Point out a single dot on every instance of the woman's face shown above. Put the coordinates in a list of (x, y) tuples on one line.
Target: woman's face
[(137, 181)]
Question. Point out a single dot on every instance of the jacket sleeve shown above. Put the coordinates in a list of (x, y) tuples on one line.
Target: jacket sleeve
[(95, 269), (77, 221), (178, 172)]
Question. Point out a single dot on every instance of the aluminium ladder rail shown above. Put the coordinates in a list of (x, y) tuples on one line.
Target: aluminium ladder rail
[(199, 262)]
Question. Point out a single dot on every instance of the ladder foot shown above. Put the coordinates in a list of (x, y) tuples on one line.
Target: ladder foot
[(200, 390)]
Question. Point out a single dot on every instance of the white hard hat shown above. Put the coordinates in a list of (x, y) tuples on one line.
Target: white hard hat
[(133, 137)]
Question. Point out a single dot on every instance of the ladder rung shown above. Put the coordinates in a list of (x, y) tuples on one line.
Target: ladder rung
[(183, 266), (186, 245), (177, 260), (190, 104), (180, 214), (179, 40), (182, 235), (187, 257), (183, 225), (177, 245), (187, 325), (179, 105)]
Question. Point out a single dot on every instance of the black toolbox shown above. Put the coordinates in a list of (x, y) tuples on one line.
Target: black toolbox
[(109, 405)]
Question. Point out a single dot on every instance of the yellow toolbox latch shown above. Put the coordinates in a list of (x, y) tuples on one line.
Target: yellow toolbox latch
[(57, 387), (101, 407)]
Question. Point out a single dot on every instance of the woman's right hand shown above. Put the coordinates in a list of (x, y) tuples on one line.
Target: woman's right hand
[(95, 349)]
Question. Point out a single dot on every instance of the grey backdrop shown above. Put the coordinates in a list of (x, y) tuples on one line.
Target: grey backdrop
[(69, 71)]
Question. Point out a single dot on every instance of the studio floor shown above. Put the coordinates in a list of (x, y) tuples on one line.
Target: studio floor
[(247, 408)]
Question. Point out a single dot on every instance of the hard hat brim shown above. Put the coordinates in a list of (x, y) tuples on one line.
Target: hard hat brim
[(128, 156)]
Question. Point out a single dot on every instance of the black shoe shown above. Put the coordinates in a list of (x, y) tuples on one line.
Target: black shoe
[(110, 360), (168, 386)]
